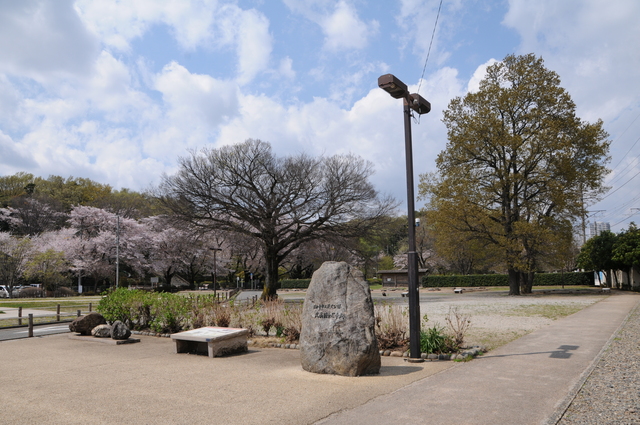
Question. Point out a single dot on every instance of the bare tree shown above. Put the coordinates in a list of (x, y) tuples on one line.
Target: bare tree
[(281, 202)]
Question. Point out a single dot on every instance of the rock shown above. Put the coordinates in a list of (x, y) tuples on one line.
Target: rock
[(338, 323), (85, 324), (101, 331), (120, 331)]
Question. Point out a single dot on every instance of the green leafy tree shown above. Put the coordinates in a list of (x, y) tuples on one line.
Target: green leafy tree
[(597, 254), (13, 186), (49, 268), (517, 163), (71, 191), (626, 249)]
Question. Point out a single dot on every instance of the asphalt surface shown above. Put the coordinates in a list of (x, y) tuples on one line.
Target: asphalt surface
[(56, 380), (38, 330)]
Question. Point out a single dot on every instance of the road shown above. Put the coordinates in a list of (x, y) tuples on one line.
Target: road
[(38, 330)]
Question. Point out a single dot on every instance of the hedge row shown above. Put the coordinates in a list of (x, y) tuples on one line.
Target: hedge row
[(540, 279), (294, 283)]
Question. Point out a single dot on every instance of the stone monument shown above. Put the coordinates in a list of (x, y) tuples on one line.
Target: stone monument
[(338, 323)]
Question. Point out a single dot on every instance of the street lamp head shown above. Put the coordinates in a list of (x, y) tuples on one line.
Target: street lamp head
[(393, 86), (420, 104)]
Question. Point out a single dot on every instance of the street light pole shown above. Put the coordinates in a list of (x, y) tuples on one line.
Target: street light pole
[(412, 255), (398, 90), (215, 271)]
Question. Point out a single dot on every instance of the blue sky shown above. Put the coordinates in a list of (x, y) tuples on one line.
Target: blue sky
[(116, 91)]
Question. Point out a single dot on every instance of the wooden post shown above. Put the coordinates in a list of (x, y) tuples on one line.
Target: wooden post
[(30, 325), (89, 307), (19, 316), (80, 313), (58, 313)]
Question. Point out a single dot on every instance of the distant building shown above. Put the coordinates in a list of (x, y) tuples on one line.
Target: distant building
[(597, 227), (397, 278)]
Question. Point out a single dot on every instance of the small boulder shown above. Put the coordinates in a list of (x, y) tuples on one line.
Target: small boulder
[(120, 331), (85, 324), (101, 331)]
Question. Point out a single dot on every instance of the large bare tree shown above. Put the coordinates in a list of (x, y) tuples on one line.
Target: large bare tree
[(282, 202)]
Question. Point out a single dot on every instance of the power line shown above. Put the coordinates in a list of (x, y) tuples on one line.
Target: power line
[(625, 155), (625, 130), (621, 186), (429, 50), (621, 173)]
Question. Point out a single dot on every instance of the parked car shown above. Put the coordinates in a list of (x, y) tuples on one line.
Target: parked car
[(4, 291)]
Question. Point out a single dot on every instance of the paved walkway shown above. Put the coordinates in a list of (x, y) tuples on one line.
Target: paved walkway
[(56, 380), (528, 381)]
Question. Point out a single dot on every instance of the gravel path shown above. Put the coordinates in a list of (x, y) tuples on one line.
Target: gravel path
[(611, 393)]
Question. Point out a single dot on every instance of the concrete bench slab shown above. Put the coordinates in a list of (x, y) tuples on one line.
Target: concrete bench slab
[(213, 341), (108, 341)]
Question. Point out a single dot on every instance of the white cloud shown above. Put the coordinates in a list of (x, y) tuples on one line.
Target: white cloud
[(590, 46), (417, 18), (286, 68), (344, 30), (118, 22), (254, 45), (478, 75), (195, 24), (44, 40), (195, 105), (339, 21), (13, 157), (371, 128)]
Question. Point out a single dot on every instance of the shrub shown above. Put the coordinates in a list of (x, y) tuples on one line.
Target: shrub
[(116, 305), (540, 279), (433, 340), (30, 292), (292, 322), (458, 325), (170, 313), (391, 326)]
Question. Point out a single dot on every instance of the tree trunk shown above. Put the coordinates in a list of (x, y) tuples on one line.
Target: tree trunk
[(609, 280), (271, 279), (514, 282), (526, 282), (168, 275)]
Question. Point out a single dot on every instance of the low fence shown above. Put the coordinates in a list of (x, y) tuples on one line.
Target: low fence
[(63, 313)]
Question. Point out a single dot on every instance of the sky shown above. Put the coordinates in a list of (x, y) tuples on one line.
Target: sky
[(117, 91)]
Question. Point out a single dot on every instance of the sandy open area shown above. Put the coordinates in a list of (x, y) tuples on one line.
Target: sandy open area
[(497, 318)]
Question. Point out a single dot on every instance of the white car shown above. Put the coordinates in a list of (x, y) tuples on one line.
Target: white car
[(4, 291)]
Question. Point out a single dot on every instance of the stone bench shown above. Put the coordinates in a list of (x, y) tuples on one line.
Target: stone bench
[(213, 341), (458, 291)]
